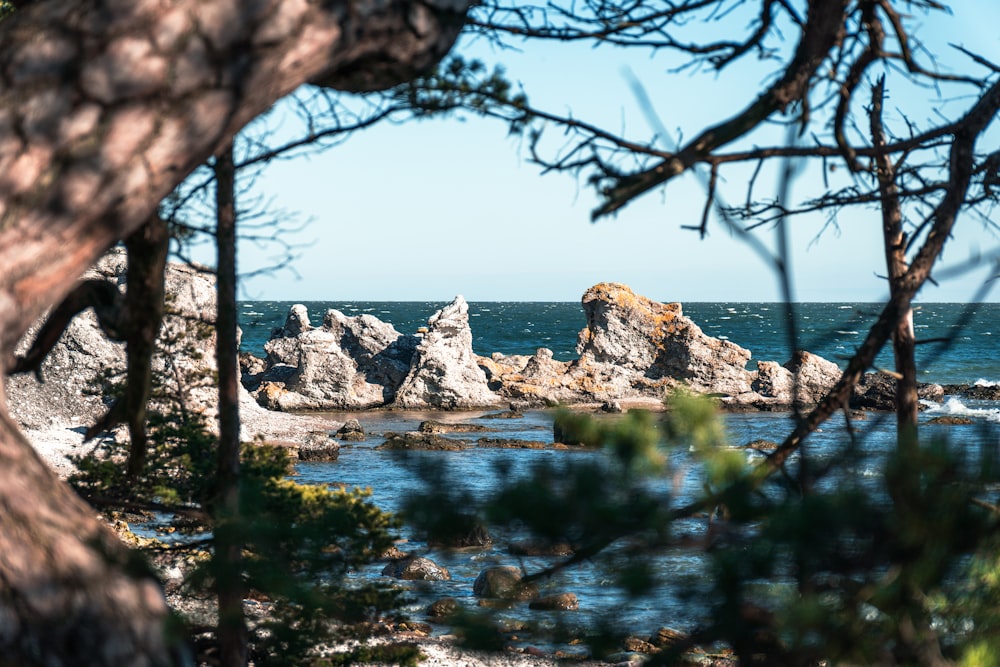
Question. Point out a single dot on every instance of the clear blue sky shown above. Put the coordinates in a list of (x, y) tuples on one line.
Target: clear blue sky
[(428, 210)]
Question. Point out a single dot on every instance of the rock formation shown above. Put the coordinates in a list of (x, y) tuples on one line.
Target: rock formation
[(444, 372), (361, 362), (632, 332), (65, 394), (632, 350), (347, 363)]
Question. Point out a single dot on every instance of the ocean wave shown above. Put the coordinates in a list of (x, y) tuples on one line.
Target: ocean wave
[(955, 407), (982, 382)]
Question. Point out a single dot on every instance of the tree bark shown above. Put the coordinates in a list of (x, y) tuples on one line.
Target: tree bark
[(894, 242), (232, 631), (147, 249), (105, 105)]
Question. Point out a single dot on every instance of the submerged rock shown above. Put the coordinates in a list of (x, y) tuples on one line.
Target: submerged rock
[(443, 608), (504, 582), (557, 602), (433, 426), (420, 441)]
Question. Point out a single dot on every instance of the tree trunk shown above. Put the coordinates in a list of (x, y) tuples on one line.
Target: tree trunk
[(147, 248), (70, 592), (226, 504), (894, 242), (105, 105)]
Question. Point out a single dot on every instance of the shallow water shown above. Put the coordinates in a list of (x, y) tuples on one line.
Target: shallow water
[(831, 330), (392, 475)]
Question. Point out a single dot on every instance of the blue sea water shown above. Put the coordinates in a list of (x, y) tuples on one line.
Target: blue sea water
[(961, 348), (967, 348)]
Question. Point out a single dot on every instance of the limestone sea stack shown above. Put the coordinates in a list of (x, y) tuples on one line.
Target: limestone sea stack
[(633, 350), (444, 372)]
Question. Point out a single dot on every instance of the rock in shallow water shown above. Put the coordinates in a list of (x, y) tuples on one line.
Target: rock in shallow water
[(416, 568), (503, 582)]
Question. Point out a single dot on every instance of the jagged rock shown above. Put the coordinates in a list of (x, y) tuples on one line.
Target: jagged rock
[(444, 373), (416, 568), (773, 380), (814, 375), (504, 582), (348, 363), (655, 339), (296, 323), (632, 350), (361, 362)]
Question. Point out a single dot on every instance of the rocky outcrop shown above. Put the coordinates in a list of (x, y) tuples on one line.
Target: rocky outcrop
[(347, 363), (505, 582), (66, 396), (631, 332), (444, 372), (361, 362), (633, 351), (631, 348), (65, 392)]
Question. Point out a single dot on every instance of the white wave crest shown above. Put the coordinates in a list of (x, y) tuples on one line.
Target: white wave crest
[(981, 382), (955, 407)]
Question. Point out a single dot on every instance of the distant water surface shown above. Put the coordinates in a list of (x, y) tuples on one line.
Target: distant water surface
[(832, 330)]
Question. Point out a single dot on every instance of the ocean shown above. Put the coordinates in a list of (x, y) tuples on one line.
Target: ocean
[(964, 340), (961, 348)]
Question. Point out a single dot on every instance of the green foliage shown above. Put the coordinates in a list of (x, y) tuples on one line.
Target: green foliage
[(181, 458), (299, 541), (577, 430)]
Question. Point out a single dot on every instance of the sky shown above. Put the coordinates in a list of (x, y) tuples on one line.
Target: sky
[(427, 210)]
